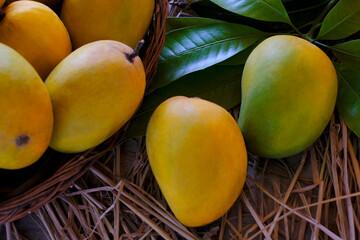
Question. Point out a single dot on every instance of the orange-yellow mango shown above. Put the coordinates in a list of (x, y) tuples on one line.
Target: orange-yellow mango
[(94, 91), (126, 21), (26, 118), (37, 33), (198, 157)]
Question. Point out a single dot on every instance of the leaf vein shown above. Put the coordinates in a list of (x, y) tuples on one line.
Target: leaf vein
[(208, 45), (340, 22)]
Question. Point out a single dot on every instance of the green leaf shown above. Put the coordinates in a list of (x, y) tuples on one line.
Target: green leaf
[(265, 10), (173, 23), (190, 49), (218, 84), (239, 58), (348, 100), (348, 52), (208, 9), (342, 21)]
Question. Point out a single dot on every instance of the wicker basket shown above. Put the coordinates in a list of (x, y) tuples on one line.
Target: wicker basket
[(26, 190)]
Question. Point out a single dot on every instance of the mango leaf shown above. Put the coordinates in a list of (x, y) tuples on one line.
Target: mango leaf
[(208, 9), (173, 23), (348, 52), (239, 58), (348, 100), (193, 48), (342, 21), (265, 10), (218, 84)]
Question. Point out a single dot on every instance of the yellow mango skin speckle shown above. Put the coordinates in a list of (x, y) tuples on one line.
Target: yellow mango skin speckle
[(198, 157), (94, 91), (126, 21), (25, 109), (289, 89), (37, 33)]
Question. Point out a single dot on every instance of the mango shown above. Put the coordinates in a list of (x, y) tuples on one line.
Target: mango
[(289, 89), (37, 33), (198, 157), (126, 21), (26, 118), (94, 92)]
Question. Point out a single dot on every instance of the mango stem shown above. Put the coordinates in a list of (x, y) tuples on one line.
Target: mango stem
[(130, 57)]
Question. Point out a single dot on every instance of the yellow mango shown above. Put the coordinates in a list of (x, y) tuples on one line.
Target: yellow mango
[(289, 89), (198, 157), (126, 21), (37, 33), (26, 118), (94, 91)]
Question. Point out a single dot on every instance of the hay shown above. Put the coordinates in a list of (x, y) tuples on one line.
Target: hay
[(314, 195)]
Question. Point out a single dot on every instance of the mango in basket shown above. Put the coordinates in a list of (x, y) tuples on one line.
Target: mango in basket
[(289, 89), (94, 91), (198, 157), (36, 32), (26, 118), (126, 21)]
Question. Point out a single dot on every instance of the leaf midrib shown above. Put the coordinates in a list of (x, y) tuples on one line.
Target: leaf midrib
[(271, 7), (348, 53), (355, 93), (335, 48), (208, 45), (340, 22), (274, 9)]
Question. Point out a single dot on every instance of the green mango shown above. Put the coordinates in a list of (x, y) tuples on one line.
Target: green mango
[(289, 89)]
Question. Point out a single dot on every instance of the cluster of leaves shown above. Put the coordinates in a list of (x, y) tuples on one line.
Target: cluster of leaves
[(204, 56)]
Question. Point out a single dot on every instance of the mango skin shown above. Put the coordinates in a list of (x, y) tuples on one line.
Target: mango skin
[(289, 89), (198, 157), (94, 92), (26, 118), (37, 33), (126, 21)]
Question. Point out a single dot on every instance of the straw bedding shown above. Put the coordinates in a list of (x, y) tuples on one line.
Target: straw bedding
[(314, 195)]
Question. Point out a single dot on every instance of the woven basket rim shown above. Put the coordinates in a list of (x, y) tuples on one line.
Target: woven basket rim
[(35, 197)]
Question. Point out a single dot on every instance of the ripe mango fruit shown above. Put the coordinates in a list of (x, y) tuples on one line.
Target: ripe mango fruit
[(26, 118), (94, 91), (126, 21), (289, 89), (198, 157), (37, 33)]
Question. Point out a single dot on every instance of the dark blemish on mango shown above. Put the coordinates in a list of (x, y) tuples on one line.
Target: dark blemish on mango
[(22, 140)]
